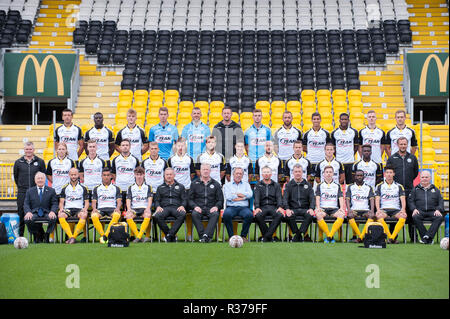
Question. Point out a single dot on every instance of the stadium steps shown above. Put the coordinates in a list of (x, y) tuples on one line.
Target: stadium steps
[(55, 24), (429, 23), (440, 136), (12, 138)]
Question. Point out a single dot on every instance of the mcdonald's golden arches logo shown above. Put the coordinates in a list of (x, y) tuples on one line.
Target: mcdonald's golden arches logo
[(442, 73), (40, 74)]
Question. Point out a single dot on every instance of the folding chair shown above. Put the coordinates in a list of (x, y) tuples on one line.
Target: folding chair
[(329, 220), (205, 219), (237, 219), (75, 220), (42, 222), (299, 219), (169, 219), (426, 221), (268, 219)]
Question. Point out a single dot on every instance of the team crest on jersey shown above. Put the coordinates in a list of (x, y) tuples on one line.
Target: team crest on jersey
[(35, 164), (177, 187), (408, 160), (306, 186), (211, 186)]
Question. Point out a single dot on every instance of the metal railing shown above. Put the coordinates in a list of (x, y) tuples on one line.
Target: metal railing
[(8, 188)]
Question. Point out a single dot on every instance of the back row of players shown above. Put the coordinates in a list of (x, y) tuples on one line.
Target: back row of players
[(198, 145)]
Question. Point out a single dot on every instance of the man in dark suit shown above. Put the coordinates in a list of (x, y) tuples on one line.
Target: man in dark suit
[(40, 204)]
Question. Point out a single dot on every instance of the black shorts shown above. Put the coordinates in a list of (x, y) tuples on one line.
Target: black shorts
[(391, 212), (348, 172), (106, 212), (72, 212), (139, 211), (330, 211), (362, 213)]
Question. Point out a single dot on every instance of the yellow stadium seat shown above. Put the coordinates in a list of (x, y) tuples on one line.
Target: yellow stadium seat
[(140, 105), (184, 118), (263, 106), (328, 126), (339, 107), (216, 106), (235, 117), (154, 106), (171, 95), (172, 106), (358, 124), (357, 120), (126, 95), (246, 120), (354, 95), (141, 95), (309, 106), (123, 106), (323, 95), (140, 122), (429, 155), (278, 107), (308, 95), (214, 118), (156, 95), (324, 106), (355, 106), (265, 119), (204, 107), (427, 141), (339, 95), (296, 119), (186, 106), (294, 106)]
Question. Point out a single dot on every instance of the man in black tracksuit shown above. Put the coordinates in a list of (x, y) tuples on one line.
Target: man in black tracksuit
[(24, 170), (227, 133), (299, 200), (406, 168), (170, 200), (426, 202), (205, 200), (268, 201)]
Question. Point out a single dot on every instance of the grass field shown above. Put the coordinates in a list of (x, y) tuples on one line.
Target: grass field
[(193, 270)]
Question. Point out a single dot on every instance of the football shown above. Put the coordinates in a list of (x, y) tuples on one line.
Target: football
[(444, 243), (21, 243), (236, 241)]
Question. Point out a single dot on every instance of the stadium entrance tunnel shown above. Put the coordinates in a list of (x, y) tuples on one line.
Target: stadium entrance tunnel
[(21, 112)]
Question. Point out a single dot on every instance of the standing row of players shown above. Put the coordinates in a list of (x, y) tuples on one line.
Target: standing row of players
[(345, 140)]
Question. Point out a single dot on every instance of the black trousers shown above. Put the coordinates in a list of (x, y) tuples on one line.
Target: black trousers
[(20, 212), (436, 221), (212, 222), (267, 232), (348, 173), (159, 218), (307, 219), (35, 229)]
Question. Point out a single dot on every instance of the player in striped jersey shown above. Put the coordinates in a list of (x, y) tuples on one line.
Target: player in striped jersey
[(122, 167), (58, 168), (106, 202), (330, 160), (213, 158), (329, 202), (70, 134), (285, 137), (373, 136), (135, 134), (182, 164), (91, 168), (297, 158), (271, 160), (154, 167), (360, 200), (400, 130), (373, 172), (390, 200), (103, 136), (240, 160), (139, 203), (73, 202)]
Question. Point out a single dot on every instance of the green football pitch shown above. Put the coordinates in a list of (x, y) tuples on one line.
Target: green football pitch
[(215, 270)]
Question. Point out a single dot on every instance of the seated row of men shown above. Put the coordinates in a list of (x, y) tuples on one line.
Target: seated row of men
[(205, 199)]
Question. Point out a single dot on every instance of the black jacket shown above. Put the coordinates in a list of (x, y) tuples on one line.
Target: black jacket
[(48, 204), (299, 195), (227, 136), (406, 169), (268, 195), (174, 195), (24, 172), (206, 196), (426, 200)]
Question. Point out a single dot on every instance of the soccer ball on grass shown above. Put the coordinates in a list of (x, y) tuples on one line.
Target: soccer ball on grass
[(236, 241), (21, 243), (444, 243)]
